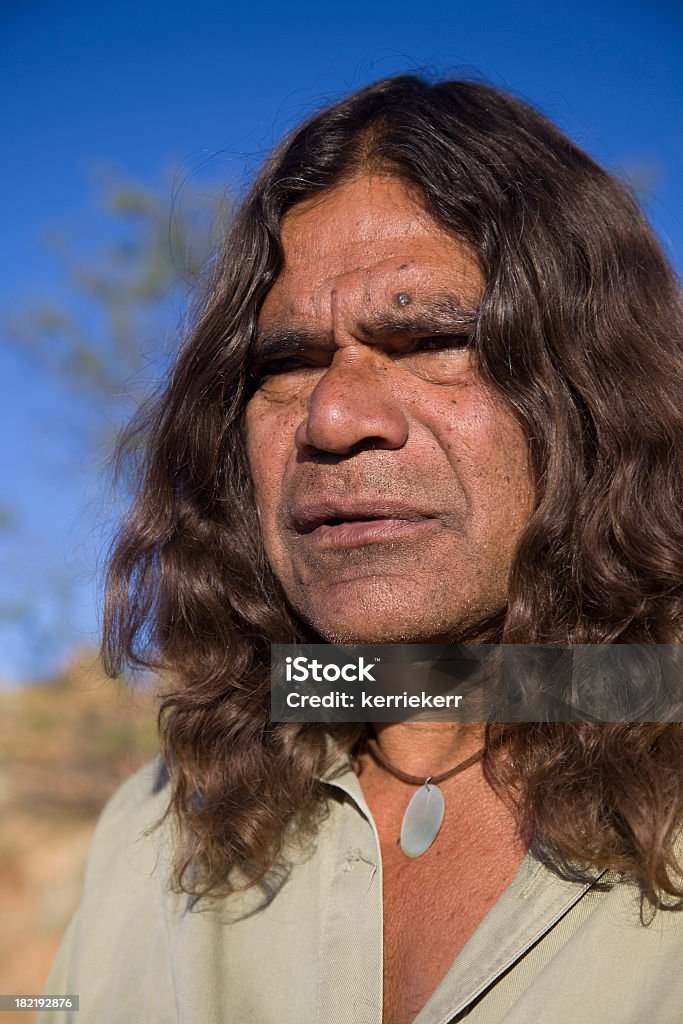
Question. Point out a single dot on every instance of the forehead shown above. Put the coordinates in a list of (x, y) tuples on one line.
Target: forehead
[(357, 246)]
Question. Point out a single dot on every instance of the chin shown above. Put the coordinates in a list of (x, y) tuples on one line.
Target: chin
[(363, 635), (374, 630), (399, 610), (402, 625)]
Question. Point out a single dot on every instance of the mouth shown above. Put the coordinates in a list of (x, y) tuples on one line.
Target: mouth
[(327, 526)]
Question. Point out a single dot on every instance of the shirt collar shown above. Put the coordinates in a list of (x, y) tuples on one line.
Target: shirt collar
[(536, 899)]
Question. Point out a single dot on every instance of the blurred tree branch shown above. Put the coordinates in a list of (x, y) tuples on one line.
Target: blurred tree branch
[(125, 273), (122, 291)]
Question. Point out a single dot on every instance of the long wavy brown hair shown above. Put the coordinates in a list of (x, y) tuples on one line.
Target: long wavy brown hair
[(580, 331)]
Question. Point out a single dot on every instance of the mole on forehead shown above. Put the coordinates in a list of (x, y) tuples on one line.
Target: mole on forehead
[(394, 302), (435, 313)]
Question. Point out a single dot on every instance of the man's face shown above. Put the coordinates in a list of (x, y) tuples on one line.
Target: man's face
[(392, 485)]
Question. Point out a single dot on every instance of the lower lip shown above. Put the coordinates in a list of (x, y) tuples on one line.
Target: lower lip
[(365, 531)]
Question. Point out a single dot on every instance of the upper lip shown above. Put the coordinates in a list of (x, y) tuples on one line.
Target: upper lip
[(309, 516)]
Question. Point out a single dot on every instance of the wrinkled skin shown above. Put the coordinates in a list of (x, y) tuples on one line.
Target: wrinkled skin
[(404, 418)]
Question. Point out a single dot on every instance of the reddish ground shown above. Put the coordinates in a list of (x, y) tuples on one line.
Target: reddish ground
[(64, 748)]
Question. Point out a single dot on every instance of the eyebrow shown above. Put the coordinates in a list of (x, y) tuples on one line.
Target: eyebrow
[(441, 314)]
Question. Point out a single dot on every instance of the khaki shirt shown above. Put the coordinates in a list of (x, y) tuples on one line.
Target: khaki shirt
[(310, 952)]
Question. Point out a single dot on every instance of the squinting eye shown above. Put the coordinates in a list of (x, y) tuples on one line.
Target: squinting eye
[(279, 366), (439, 342), (275, 367), (439, 358)]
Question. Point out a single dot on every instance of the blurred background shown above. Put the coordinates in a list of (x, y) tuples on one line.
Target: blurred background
[(130, 132)]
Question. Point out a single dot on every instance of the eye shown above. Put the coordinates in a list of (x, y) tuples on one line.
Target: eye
[(441, 342), (279, 367), (284, 364), (445, 345), (438, 358)]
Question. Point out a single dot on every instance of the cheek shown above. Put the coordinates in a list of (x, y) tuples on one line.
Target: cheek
[(489, 453), (269, 443), (260, 467)]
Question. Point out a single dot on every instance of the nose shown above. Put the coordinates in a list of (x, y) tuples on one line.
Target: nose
[(353, 407)]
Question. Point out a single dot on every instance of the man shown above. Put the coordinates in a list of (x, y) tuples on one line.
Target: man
[(433, 393)]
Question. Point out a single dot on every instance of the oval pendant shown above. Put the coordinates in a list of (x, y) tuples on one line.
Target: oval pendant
[(422, 820)]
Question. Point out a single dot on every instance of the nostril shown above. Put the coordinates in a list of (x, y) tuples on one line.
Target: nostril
[(367, 444)]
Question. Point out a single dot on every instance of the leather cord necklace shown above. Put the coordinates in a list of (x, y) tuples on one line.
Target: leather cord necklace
[(424, 814)]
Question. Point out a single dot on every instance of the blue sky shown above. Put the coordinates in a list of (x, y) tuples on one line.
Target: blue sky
[(205, 89)]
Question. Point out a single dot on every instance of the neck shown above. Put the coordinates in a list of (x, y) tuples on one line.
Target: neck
[(428, 748)]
